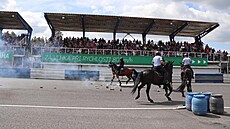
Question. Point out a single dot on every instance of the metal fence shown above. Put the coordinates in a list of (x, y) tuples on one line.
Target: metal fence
[(32, 58), (210, 56)]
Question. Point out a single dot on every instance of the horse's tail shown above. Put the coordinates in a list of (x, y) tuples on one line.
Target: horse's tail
[(137, 81), (134, 74)]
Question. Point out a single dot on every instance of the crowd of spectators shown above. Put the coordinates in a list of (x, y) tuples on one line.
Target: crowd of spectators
[(124, 44), (11, 39), (130, 45)]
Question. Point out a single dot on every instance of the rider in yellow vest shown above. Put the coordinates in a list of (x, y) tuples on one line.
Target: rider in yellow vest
[(157, 63)]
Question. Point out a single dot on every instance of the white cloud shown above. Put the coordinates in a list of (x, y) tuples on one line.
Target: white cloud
[(7, 5)]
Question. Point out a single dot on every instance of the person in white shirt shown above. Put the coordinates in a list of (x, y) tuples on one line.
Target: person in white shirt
[(157, 63), (186, 62)]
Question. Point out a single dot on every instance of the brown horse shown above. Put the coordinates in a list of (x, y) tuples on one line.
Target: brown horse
[(128, 72), (186, 79), (148, 77)]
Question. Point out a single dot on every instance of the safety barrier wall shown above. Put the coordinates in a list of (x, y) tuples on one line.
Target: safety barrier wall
[(82, 75), (14, 72), (103, 73), (49, 74), (209, 78)]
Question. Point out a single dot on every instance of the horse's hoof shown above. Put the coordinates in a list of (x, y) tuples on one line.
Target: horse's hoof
[(137, 97), (120, 89), (107, 87), (151, 101), (169, 99)]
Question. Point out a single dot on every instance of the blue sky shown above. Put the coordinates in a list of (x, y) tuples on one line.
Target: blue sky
[(198, 10)]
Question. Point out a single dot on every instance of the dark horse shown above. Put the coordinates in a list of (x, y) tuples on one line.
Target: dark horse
[(153, 77), (128, 72), (186, 79)]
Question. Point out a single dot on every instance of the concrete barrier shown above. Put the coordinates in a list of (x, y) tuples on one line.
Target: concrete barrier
[(103, 73), (15, 72), (81, 75), (209, 78), (47, 73)]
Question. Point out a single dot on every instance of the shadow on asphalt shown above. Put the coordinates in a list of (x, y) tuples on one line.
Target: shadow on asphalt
[(209, 115), (226, 114), (161, 103)]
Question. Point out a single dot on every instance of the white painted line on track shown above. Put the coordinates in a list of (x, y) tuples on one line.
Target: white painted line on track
[(88, 108), (95, 108)]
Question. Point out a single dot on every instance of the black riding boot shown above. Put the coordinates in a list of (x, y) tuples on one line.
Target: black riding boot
[(119, 72), (192, 72)]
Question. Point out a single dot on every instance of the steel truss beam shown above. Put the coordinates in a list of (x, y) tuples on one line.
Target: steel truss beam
[(146, 31), (115, 28), (179, 29)]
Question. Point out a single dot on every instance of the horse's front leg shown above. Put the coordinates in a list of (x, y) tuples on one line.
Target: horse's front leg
[(147, 92), (129, 78), (189, 86), (119, 82), (167, 87), (139, 90), (112, 80)]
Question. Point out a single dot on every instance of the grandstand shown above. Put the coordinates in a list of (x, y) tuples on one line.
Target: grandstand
[(13, 20), (130, 25), (112, 49)]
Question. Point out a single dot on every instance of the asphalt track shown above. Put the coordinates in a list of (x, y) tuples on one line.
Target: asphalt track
[(63, 104)]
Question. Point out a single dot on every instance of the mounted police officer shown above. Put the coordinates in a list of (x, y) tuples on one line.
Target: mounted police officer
[(186, 63), (158, 63)]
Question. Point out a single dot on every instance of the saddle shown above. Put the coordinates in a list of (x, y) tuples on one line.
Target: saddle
[(158, 72), (121, 70), (184, 69)]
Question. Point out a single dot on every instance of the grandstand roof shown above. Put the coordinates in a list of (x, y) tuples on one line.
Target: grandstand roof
[(132, 25), (13, 20)]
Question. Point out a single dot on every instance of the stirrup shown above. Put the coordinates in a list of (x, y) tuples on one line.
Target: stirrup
[(166, 82)]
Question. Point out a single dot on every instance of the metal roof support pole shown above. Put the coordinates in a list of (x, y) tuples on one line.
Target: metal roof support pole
[(129, 35), (83, 25), (50, 25), (1, 33), (202, 34), (171, 38), (29, 37), (115, 28), (198, 41), (27, 27), (179, 29), (146, 31), (144, 38)]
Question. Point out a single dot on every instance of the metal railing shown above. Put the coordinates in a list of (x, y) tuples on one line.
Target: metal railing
[(34, 58), (209, 56)]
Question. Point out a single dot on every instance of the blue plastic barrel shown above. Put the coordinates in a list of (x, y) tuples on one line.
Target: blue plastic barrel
[(189, 97), (199, 105), (207, 97)]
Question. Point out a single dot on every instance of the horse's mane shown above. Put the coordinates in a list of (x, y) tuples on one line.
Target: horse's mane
[(113, 64), (168, 64)]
